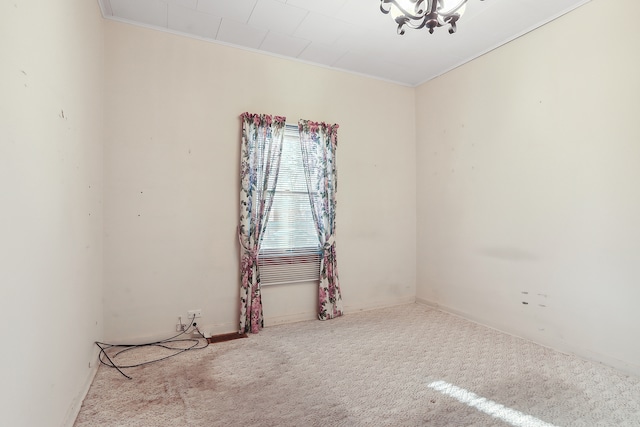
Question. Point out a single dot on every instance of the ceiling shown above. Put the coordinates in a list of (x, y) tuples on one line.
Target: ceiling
[(347, 35)]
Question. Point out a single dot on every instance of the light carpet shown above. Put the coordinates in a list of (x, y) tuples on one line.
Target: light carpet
[(403, 366)]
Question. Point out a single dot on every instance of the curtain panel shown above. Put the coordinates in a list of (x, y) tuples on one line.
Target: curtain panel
[(262, 137), (319, 142)]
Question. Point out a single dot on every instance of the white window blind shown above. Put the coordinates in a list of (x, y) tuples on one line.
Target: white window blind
[(290, 251)]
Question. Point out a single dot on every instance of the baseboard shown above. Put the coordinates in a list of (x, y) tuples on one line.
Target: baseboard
[(352, 308), (211, 329), (76, 404), (226, 337), (289, 318), (348, 308), (427, 303), (557, 345), (220, 328)]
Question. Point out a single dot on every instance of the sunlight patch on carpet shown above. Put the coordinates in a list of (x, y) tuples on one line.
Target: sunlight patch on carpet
[(511, 416)]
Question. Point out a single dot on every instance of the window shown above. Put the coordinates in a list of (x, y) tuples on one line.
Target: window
[(290, 251)]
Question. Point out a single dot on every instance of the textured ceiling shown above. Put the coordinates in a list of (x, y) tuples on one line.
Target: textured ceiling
[(348, 35)]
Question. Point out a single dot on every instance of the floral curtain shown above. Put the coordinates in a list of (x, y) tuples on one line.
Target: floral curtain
[(319, 142), (262, 137)]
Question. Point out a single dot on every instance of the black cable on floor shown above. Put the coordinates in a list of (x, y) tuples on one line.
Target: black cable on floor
[(165, 343)]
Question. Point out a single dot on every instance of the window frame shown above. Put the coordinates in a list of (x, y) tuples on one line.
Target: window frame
[(296, 264)]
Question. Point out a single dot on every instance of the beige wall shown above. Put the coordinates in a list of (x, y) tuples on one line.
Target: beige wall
[(171, 180), (528, 186), (51, 101), (526, 194)]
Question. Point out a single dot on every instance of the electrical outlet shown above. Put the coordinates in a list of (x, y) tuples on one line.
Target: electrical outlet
[(180, 327), (194, 313)]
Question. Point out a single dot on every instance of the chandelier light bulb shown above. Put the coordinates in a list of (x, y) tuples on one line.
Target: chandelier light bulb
[(395, 12), (401, 8)]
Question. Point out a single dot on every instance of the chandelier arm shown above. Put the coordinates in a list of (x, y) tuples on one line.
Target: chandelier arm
[(451, 18), (416, 24), (452, 23), (425, 13), (418, 12)]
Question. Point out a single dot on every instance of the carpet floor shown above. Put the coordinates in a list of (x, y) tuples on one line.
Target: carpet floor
[(402, 366)]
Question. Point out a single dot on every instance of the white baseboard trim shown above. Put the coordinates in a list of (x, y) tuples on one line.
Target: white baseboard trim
[(212, 328), (220, 328), (352, 308), (428, 303), (289, 318), (557, 345), (76, 404), (348, 308)]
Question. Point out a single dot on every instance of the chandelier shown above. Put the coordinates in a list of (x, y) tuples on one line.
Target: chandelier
[(418, 14)]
